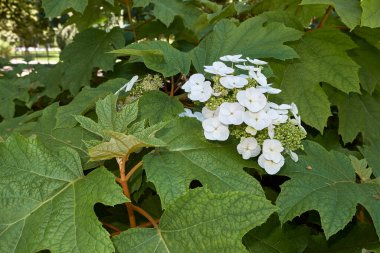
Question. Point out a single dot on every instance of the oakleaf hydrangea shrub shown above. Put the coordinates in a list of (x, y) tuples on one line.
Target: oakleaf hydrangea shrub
[(237, 103)]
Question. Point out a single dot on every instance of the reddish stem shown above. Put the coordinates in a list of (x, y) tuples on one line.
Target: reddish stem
[(123, 182), (146, 215), (111, 226), (148, 224), (325, 16)]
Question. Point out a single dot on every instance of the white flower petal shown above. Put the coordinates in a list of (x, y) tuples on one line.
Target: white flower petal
[(231, 82), (231, 113), (252, 99), (293, 155), (257, 61), (232, 58), (248, 148), (257, 120), (128, 86), (215, 130), (269, 166), (219, 68)]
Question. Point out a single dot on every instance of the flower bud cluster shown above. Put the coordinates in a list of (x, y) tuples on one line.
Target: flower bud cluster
[(148, 83), (236, 103)]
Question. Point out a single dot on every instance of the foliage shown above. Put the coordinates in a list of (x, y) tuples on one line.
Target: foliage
[(86, 170)]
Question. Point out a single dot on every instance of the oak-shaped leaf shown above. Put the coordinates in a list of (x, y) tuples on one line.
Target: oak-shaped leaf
[(167, 10), (159, 56), (89, 50), (326, 182), (357, 114), (323, 58), (188, 156), (47, 203), (254, 38), (200, 221)]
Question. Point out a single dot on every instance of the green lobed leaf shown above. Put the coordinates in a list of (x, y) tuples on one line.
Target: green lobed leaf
[(367, 55), (271, 237), (326, 182), (89, 50), (304, 13), (371, 151), (323, 58), (55, 8), (47, 202), (371, 13), (109, 119), (372, 36), (22, 124), (285, 17), (156, 106), (361, 168), (352, 240), (92, 15), (348, 10), (159, 56), (189, 156), (253, 38), (226, 12), (200, 221), (10, 90), (357, 114), (167, 10)]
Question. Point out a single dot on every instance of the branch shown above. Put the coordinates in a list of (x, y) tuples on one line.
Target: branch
[(111, 226), (130, 21), (172, 87), (325, 16), (146, 215), (133, 170), (148, 224), (123, 182)]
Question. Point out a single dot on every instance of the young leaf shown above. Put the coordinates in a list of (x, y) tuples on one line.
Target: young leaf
[(121, 144), (159, 56), (84, 101), (322, 59), (89, 50), (47, 203), (109, 119), (188, 156), (200, 221), (253, 37), (326, 182)]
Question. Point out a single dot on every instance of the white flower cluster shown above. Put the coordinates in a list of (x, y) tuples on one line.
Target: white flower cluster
[(238, 99)]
